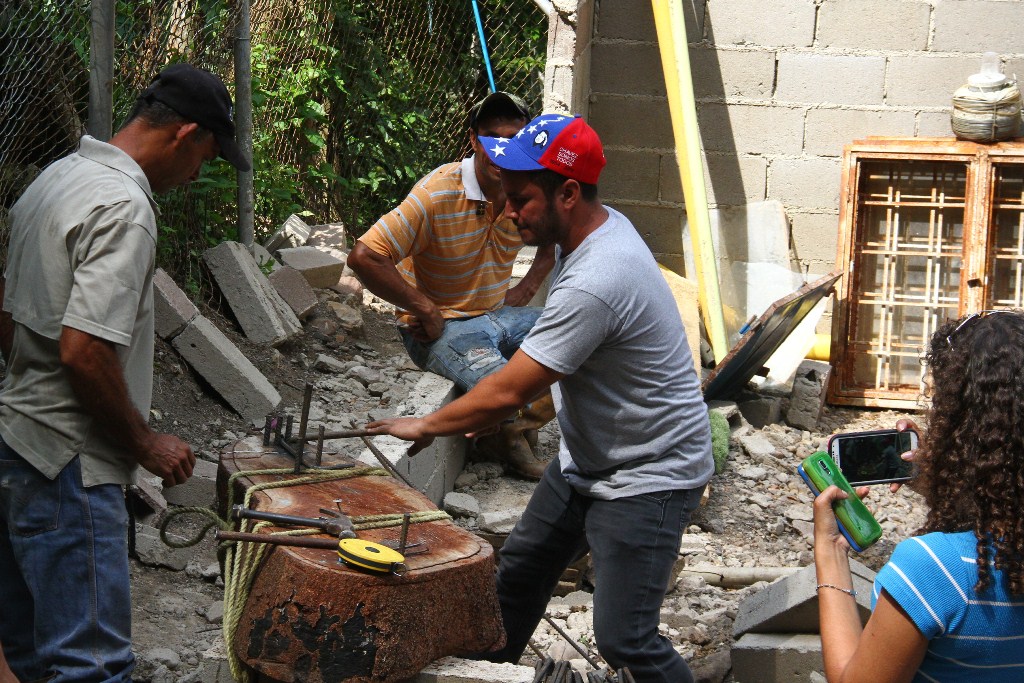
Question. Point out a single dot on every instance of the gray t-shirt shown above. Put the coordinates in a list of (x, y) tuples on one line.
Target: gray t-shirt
[(81, 255), (630, 410)]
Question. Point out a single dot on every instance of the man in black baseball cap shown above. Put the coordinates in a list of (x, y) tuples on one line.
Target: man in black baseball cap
[(199, 96), (76, 331)]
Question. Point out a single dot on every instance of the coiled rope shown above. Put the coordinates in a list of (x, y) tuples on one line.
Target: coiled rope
[(243, 559)]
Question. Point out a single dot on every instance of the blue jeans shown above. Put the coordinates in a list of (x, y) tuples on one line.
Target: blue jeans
[(65, 605), (634, 543), (469, 349)]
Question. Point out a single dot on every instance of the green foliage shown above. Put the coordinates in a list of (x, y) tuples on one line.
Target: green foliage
[(719, 439)]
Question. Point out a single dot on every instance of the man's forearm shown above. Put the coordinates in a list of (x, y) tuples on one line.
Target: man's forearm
[(380, 275), (97, 380)]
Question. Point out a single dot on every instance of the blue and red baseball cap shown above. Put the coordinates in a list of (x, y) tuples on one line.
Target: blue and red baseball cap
[(563, 144)]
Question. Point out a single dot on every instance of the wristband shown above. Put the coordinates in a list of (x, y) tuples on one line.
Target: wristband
[(848, 591)]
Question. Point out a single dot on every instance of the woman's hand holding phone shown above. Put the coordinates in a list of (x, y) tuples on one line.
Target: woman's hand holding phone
[(826, 527), (903, 425)]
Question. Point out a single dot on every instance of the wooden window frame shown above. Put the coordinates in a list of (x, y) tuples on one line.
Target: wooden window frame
[(974, 285)]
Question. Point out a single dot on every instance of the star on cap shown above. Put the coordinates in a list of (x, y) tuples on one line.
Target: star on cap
[(532, 129), (520, 133), (498, 150), (501, 139)]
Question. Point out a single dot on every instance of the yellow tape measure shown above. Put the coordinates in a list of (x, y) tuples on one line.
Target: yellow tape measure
[(371, 556)]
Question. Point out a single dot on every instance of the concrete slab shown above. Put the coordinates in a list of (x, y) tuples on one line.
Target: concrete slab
[(808, 397), (293, 233), (229, 372), (790, 605), (434, 469), (295, 290), (264, 316), (172, 309), (328, 235), (318, 267), (200, 490), (455, 670), (776, 658)]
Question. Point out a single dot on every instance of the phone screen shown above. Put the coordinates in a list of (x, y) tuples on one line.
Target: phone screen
[(875, 458)]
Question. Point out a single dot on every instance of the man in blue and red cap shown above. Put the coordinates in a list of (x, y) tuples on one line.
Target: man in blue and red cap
[(635, 453)]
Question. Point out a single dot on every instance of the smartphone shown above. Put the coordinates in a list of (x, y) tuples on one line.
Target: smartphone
[(873, 457), (856, 522)]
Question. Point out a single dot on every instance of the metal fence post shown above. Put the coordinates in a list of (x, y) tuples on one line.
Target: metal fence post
[(243, 122), (101, 70)]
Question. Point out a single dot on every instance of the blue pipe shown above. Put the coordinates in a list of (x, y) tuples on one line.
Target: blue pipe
[(483, 45)]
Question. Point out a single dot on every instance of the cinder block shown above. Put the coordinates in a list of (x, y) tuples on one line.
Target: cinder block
[(776, 658), (935, 124), (293, 233), (328, 235), (319, 268), (434, 469), (631, 175), (264, 316), (172, 309), (729, 179), (627, 69), (755, 232), (200, 490), (887, 25), (790, 605), (977, 25), (741, 22), (768, 130), (635, 20), (761, 412), (720, 73), (829, 130), (295, 290), (808, 397), (455, 670), (839, 79), (614, 117), (808, 183), (229, 372), (926, 81), (815, 236)]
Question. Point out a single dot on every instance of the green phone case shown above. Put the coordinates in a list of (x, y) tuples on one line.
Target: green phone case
[(856, 522)]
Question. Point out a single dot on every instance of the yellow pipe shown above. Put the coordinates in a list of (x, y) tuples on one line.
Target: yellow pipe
[(675, 62)]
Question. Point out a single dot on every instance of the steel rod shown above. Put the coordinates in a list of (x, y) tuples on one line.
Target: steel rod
[(576, 646), (299, 541), (385, 463)]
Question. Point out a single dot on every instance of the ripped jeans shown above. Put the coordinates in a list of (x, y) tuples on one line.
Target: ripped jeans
[(469, 349)]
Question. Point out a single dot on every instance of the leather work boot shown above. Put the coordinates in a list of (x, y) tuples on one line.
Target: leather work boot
[(515, 444)]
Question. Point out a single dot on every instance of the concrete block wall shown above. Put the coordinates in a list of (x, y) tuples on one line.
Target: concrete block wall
[(781, 87)]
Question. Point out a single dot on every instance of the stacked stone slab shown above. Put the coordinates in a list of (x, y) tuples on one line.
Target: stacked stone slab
[(263, 314), (295, 290), (210, 353), (778, 628), (293, 233), (320, 268)]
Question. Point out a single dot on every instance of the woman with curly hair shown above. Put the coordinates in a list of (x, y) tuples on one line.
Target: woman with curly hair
[(949, 604)]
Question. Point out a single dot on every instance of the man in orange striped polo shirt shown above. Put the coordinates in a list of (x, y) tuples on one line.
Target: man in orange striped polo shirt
[(444, 257)]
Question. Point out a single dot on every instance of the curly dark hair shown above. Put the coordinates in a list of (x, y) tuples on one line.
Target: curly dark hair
[(971, 463)]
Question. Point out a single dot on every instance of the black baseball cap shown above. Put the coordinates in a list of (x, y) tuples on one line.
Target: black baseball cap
[(497, 104), (201, 97)]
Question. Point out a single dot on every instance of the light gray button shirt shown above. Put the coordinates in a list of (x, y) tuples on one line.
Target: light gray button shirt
[(81, 255)]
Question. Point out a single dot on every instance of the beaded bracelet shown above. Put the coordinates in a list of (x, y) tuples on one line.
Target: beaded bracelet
[(848, 591)]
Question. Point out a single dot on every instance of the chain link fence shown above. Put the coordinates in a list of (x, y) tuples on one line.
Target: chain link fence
[(353, 100)]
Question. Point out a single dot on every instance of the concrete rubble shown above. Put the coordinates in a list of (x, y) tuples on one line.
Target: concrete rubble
[(293, 233), (320, 268)]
